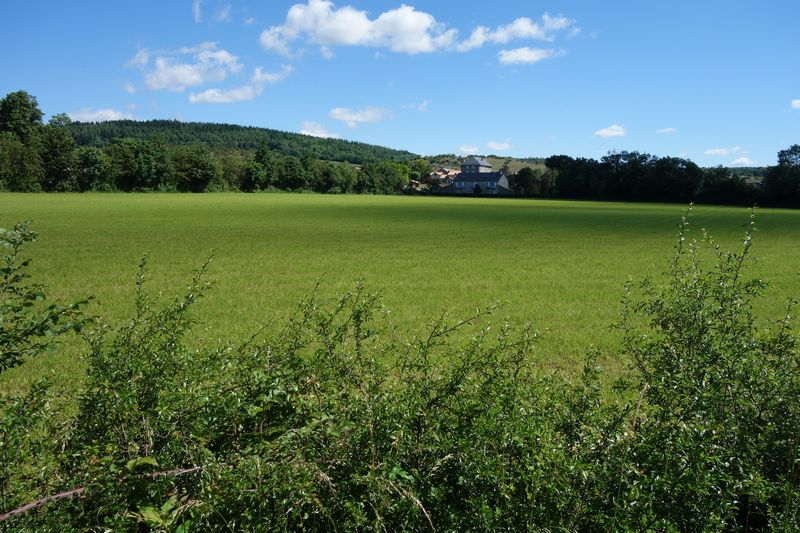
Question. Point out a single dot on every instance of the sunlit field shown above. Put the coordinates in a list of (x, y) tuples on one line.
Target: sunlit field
[(560, 265)]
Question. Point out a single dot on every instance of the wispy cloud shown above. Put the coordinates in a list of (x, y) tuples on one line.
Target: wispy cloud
[(743, 162), (224, 14), (315, 129), (355, 117), (525, 55), (422, 106), (197, 11), (663, 131), (724, 152), (499, 146), (468, 149), (796, 104), (98, 115), (258, 83), (129, 88), (615, 130)]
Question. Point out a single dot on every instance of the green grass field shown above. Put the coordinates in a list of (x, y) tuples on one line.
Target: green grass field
[(559, 264)]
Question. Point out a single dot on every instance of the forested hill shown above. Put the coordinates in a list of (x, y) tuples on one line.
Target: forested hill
[(174, 132)]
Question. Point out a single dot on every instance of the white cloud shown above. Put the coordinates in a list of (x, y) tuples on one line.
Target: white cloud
[(141, 58), (226, 96), (403, 30), (315, 129), (224, 14), (468, 149), (326, 52), (249, 20), (724, 152), (422, 106), (261, 77), (525, 55), (667, 130), (98, 115), (521, 28), (129, 88), (796, 104), (743, 162), (186, 67), (258, 82), (197, 11), (499, 146), (615, 130), (354, 117)]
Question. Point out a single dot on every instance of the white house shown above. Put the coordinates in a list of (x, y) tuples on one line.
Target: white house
[(477, 177)]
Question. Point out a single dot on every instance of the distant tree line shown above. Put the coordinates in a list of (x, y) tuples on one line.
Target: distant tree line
[(634, 176), (158, 156), (194, 157)]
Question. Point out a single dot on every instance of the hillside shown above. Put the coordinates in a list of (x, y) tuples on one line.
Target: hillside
[(514, 163), (174, 132)]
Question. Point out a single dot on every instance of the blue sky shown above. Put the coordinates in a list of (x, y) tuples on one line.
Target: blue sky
[(718, 82)]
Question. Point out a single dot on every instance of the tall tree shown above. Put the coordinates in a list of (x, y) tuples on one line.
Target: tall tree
[(20, 114), (58, 159), (20, 165), (195, 168), (93, 170), (790, 157)]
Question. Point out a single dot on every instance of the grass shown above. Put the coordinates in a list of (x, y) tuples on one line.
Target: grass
[(559, 264)]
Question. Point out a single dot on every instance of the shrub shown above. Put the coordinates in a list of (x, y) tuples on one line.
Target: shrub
[(339, 423)]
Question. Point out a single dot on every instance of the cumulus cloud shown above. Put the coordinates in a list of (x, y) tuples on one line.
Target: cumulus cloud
[(666, 130), (525, 55), (177, 70), (499, 146), (315, 129), (403, 30), (521, 28), (743, 162), (98, 115), (796, 104), (258, 82), (197, 11), (354, 117), (615, 130), (724, 152), (468, 149)]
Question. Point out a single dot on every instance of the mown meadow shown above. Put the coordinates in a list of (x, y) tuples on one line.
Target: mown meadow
[(560, 265)]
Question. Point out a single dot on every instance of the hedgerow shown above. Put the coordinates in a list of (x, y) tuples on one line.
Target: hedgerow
[(337, 422)]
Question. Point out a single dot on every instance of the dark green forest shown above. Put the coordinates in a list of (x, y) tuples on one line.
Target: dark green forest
[(163, 155), (228, 136)]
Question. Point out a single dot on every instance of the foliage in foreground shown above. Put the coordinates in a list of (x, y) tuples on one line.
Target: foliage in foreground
[(337, 423)]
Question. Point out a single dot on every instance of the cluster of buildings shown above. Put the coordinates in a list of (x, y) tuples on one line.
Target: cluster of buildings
[(476, 178)]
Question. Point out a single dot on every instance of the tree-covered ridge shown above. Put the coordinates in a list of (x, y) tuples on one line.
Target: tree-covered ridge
[(173, 132)]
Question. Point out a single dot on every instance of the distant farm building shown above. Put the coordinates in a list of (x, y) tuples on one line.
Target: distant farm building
[(477, 177)]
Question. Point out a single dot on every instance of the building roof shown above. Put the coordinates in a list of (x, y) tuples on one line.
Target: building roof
[(475, 176)]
